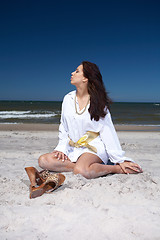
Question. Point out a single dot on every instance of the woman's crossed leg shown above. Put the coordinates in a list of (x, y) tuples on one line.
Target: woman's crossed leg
[(88, 165)]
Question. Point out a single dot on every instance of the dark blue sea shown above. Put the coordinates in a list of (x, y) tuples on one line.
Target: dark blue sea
[(50, 112)]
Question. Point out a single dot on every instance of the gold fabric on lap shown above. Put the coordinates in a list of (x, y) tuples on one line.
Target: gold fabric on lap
[(84, 141)]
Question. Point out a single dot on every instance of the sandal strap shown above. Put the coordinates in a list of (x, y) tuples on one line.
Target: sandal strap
[(49, 177), (53, 178), (44, 174)]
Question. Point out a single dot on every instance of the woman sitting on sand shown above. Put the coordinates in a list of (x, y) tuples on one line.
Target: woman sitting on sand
[(87, 137)]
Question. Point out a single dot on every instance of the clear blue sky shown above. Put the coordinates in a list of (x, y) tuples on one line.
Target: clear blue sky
[(42, 42)]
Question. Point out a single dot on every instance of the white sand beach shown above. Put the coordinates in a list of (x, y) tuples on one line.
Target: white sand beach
[(114, 207)]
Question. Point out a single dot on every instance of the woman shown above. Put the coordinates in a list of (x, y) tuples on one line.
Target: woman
[(87, 138)]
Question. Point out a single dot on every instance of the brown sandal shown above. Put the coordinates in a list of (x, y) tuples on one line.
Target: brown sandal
[(35, 177), (52, 182), (46, 181)]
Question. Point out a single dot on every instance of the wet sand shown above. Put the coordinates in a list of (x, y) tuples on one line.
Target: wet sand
[(54, 127)]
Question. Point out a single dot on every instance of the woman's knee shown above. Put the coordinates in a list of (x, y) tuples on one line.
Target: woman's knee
[(42, 161)]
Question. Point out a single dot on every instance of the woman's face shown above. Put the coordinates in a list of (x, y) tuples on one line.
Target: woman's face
[(77, 77)]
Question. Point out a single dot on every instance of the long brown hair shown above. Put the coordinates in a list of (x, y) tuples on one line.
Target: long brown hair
[(99, 100)]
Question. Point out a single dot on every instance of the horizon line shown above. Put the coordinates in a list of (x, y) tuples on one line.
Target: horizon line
[(125, 101)]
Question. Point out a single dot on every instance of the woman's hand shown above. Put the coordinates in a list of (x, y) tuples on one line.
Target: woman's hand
[(130, 167), (61, 156)]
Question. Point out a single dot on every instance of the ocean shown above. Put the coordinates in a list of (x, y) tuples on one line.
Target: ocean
[(49, 112)]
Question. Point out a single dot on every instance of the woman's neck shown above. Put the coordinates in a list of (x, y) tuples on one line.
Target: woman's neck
[(82, 92)]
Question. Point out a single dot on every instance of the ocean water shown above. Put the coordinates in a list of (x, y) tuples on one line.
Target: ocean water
[(50, 112), (30, 112)]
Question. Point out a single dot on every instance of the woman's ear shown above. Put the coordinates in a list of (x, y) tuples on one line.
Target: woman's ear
[(85, 80)]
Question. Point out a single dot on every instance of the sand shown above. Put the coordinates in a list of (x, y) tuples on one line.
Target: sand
[(113, 207)]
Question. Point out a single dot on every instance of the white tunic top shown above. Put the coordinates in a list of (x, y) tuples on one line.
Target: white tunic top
[(75, 126)]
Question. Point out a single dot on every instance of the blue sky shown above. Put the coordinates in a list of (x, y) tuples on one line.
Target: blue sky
[(42, 42)]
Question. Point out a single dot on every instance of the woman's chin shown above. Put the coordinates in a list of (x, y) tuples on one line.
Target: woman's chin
[(72, 82)]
